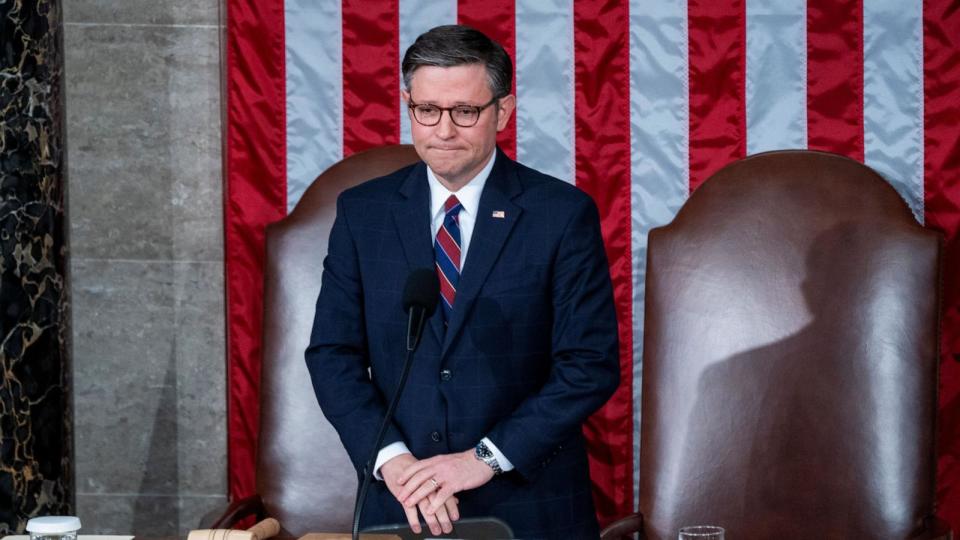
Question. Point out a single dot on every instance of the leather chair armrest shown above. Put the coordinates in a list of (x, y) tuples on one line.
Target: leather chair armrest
[(624, 528), (227, 516)]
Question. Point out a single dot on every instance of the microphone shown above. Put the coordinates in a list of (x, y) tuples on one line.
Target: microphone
[(420, 296)]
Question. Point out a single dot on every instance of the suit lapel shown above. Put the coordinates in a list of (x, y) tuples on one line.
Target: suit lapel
[(412, 219), (489, 235)]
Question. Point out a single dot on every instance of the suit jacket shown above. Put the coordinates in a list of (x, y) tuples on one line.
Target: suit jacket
[(529, 353)]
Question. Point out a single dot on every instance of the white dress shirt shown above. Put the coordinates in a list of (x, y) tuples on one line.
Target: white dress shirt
[(469, 197)]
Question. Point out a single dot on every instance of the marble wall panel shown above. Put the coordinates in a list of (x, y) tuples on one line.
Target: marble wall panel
[(125, 383), (144, 112), (165, 12), (36, 476), (144, 115), (150, 420), (153, 516), (201, 377)]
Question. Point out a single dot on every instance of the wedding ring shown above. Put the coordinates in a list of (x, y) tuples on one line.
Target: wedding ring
[(436, 485)]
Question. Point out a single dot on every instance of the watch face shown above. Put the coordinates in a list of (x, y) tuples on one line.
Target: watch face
[(483, 452), (485, 455)]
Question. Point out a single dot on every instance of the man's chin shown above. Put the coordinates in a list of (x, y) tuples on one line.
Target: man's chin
[(444, 168), (449, 176)]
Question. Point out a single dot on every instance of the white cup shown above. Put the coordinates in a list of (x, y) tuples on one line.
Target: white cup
[(53, 528)]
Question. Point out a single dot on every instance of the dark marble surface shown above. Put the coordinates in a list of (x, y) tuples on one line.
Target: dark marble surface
[(35, 446)]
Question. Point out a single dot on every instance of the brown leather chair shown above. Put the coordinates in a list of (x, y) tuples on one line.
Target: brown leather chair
[(304, 478), (790, 358)]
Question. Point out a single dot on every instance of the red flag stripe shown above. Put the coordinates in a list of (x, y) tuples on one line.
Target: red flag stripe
[(602, 113), (717, 56), (941, 47), (835, 76), (497, 19), (371, 80), (254, 195)]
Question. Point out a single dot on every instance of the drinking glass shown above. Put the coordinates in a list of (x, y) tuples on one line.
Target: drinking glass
[(53, 528), (701, 532)]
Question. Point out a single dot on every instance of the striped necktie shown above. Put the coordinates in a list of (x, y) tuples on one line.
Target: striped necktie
[(446, 249)]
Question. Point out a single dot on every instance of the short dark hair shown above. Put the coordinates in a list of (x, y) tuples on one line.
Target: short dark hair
[(456, 45)]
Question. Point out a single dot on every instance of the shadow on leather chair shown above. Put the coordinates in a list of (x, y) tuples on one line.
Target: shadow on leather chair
[(304, 477), (790, 359)]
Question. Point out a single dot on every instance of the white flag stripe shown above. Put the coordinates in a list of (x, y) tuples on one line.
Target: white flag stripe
[(893, 95), (776, 77), (545, 90), (314, 87), (416, 17), (659, 145)]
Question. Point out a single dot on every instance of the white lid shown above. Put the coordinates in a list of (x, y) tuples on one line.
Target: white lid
[(53, 524)]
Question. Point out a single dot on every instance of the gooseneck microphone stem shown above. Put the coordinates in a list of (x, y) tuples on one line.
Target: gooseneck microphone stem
[(420, 296), (414, 322)]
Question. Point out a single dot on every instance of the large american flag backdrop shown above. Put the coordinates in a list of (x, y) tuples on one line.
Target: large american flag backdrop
[(637, 103)]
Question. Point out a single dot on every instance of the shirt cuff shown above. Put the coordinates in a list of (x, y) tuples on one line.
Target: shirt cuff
[(502, 460), (387, 453)]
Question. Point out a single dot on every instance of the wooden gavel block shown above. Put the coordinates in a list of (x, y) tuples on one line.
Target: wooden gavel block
[(271, 527), (261, 531)]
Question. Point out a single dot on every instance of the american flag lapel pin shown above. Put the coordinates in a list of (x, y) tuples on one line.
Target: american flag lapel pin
[(499, 214)]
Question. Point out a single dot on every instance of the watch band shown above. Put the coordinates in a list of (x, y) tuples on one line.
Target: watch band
[(484, 454)]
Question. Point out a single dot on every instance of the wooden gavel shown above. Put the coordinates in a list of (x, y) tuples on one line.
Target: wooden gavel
[(271, 527), (261, 531)]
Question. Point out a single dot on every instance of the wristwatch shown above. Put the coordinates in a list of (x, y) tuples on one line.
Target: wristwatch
[(484, 454)]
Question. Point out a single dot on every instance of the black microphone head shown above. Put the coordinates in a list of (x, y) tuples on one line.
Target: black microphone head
[(422, 290)]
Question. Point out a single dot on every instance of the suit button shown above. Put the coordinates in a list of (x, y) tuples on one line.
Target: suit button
[(435, 436), (446, 375)]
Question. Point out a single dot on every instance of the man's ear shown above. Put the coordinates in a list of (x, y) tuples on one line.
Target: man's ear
[(405, 96), (505, 108)]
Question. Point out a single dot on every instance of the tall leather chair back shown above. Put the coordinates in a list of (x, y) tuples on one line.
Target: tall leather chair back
[(304, 476), (790, 356)]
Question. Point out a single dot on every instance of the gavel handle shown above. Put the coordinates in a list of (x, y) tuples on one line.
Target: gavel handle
[(265, 529)]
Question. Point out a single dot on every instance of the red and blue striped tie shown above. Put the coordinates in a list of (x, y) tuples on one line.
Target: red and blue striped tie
[(446, 249)]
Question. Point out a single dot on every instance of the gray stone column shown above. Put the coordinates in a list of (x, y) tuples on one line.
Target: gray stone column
[(36, 476), (146, 263)]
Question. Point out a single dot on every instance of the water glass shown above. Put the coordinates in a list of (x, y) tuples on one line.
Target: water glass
[(53, 528), (701, 532)]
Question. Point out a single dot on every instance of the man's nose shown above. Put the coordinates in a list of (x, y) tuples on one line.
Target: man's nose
[(446, 129)]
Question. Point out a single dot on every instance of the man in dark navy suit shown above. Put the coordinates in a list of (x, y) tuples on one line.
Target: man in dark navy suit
[(524, 345)]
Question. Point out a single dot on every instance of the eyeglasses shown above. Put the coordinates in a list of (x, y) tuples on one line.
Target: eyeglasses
[(462, 115)]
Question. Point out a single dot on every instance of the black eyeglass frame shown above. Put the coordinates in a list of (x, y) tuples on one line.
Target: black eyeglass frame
[(412, 105)]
